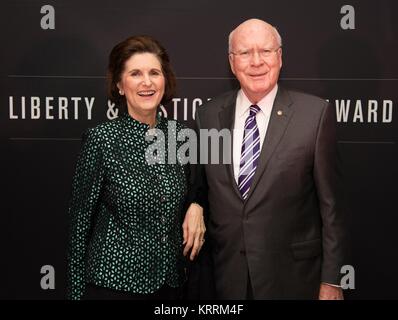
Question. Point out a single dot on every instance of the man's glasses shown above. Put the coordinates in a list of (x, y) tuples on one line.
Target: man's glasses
[(262, 53)]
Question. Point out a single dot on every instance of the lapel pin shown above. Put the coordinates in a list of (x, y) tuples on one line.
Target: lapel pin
[(279, 112)]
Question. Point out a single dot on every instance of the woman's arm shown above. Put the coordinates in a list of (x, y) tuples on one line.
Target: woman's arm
[(86, 188)]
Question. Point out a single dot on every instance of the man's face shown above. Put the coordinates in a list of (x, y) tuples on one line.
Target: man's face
[(256, 60)]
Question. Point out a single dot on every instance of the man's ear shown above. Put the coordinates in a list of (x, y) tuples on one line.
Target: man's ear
[(231, 62), (280, 57)]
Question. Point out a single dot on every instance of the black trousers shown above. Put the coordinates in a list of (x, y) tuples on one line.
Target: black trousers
[(94, 292)]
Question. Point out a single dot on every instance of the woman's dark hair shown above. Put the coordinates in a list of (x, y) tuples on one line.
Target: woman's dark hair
[(123, 51)]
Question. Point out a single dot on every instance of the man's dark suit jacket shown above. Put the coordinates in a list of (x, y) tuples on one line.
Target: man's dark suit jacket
[(288, 236)]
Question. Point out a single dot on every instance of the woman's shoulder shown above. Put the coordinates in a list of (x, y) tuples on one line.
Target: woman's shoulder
[(176, 123), (103, 130)]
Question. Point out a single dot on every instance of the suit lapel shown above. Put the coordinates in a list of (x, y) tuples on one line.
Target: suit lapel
[(280, 117), (226, 118)]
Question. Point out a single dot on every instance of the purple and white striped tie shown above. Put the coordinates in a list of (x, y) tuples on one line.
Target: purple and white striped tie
[(250, 152)]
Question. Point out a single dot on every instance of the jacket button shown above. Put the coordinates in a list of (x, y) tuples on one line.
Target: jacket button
[(163, 219), (163, 199), (164, 239)]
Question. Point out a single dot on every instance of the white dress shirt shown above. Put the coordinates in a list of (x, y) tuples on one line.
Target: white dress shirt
[(242, 111)]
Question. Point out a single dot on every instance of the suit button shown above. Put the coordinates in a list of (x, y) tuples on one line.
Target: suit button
[(163, 219), (164, 239), (242, 252), (163, 199)]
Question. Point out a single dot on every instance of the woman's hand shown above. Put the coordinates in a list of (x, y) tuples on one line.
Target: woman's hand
[(194, 230)]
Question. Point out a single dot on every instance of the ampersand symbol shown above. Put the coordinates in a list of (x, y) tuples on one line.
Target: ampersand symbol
[(112, 112)]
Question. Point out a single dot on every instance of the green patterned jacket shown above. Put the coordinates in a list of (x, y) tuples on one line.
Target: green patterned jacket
[(125, 214)]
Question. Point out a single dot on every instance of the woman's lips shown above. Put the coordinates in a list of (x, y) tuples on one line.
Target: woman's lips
[(146, 93)]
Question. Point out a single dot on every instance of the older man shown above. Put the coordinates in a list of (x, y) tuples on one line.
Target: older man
[(276, 219)]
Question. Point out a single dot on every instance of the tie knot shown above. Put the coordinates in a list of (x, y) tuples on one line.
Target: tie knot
[(254, 109)]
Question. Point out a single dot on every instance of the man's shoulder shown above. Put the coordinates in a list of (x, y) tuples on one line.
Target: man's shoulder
[(308, 99), (217, 102)]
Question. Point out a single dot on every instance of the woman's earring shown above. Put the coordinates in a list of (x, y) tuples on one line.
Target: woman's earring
[(121, 92)]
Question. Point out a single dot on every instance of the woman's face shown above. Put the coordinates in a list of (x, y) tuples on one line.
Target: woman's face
[(143, 84)]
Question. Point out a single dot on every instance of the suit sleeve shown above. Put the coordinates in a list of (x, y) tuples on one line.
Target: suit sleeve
[(86, 189), (200, 282), (328, 181), (197, 179)]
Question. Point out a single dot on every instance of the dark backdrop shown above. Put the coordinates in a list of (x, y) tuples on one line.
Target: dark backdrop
[(67, 65)]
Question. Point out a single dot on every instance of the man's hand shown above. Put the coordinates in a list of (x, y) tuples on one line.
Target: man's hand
[(329, 292), (194, 230)]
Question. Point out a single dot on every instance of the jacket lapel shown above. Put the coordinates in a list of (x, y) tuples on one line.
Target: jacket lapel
[(226, 118), (280, 117)]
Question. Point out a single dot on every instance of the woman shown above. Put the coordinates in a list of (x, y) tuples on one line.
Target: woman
[(126, 237)]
